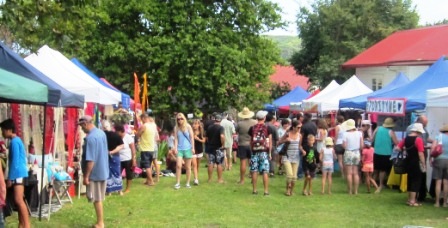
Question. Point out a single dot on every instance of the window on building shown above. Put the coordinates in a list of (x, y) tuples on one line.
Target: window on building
[(377, 84)]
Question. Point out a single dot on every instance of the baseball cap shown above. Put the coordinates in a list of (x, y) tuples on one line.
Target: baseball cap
[(261, 114), (85, 119), (218, 117)]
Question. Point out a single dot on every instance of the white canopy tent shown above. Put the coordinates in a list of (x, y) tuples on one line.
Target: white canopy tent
[(351, 88), (61, 70), (310, 104), (436, 109)]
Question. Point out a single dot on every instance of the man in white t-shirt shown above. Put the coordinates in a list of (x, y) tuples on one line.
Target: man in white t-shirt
[(127, 155)]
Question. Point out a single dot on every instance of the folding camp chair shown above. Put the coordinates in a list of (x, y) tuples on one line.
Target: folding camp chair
[(60, 189)]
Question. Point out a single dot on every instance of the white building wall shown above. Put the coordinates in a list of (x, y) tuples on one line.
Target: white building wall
[(385, 75)]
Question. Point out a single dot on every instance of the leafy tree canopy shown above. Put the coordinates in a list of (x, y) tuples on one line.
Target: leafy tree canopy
[(333, 31), (196, 52)]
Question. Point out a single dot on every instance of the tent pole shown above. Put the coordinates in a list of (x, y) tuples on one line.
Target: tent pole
[(43, 163)]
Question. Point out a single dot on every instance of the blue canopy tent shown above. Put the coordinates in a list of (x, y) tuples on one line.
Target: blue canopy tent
[(125, 98), (296, 95), (360, 102), (434, 77), (57, 95)]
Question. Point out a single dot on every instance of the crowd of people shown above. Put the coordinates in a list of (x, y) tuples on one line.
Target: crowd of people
[(297, 147)]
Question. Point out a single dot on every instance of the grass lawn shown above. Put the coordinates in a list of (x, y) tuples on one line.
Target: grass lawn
[(232, 205)]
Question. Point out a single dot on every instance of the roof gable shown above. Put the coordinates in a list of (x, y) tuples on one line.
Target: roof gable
[(421, 46), (289, 75)]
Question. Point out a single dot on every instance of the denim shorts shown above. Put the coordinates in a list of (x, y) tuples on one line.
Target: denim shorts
[(146, 159)]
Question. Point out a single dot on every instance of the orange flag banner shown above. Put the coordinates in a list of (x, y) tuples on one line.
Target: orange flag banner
[(145, 93), (136, 90)]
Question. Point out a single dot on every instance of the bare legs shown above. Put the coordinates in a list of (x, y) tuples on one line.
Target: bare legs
[(308, 181), (24, 221), (157, 167), (210, 172), (341, 165), (370, 181), (438, 190), (179, 161), (326, 175), (265, 182), (99, 214), (243, 165), (149, 181), (382, 174), (196, 162), (352, 178)]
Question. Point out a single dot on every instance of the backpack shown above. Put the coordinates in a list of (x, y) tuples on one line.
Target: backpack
[(260, 140)]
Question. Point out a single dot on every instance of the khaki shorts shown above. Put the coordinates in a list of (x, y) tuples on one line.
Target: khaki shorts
[(96, 191)]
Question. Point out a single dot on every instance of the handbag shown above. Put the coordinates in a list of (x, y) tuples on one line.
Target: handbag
[(438, 150), (400, 163), (284, 149)]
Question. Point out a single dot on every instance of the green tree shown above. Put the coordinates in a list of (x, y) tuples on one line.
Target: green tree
[(279, 89), (196, 53), (334, 31)]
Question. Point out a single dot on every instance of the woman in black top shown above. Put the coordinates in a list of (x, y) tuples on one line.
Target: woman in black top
[(415, 161), (199, 141)]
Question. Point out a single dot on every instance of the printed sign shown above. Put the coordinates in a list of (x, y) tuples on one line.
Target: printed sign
[(387, 106)]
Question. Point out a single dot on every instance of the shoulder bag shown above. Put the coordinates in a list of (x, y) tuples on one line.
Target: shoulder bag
[(438, 150)]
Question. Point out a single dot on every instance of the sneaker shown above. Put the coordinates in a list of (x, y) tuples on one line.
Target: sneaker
[(177, 186), (196, 182), (187, 186)]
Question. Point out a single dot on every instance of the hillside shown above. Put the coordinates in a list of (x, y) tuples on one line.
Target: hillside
[(287, 45)]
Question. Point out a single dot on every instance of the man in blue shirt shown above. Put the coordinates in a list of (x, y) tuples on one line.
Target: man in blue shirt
[(95, 165), (17, 171)]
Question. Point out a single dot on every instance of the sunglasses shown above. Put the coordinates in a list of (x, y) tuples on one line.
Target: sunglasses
[(179, 119)]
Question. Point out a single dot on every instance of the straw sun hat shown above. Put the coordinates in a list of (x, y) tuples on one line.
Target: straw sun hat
[(444, 128), (328, 141), (389, 122), (418, 127), (350, 125), (246, 113)]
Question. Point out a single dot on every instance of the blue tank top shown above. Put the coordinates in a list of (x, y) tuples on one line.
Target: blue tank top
[(184, 142)]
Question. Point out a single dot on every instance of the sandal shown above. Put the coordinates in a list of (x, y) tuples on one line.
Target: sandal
[(415, 204), (305, 193)]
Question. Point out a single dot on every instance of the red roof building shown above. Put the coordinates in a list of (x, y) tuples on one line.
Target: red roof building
[(409, 51), (422, 46), (288, 74)]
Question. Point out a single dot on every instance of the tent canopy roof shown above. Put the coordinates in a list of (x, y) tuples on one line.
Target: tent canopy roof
[(434, 77), (295, 95), (17, 89), (437, 97), (57, 95), (330, 101), (125, 98), (64, 72), (361, 101)]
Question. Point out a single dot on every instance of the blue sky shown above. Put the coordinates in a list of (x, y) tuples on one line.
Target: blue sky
[(429, 10)]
